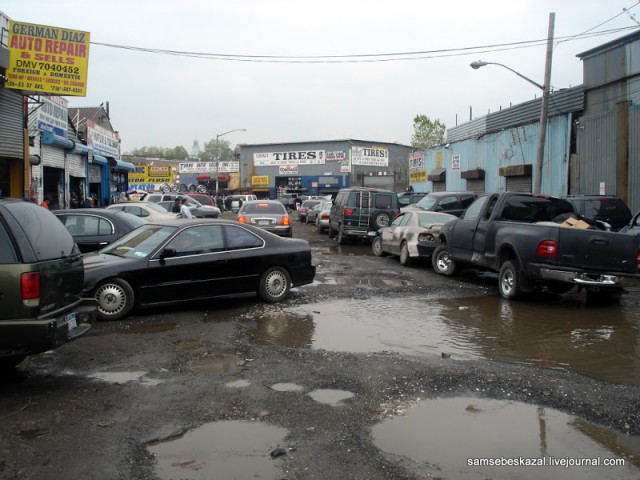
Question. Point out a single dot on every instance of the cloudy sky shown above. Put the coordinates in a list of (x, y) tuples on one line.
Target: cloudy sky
[(297, 70)]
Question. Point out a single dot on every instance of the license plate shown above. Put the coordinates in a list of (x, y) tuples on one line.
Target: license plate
[(71, 321), (263, 222), (372, 234)]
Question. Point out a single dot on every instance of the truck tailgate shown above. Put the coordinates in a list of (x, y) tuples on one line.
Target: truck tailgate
[(598, 250)]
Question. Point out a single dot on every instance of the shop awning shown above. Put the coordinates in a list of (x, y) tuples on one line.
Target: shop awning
[(99, 159), (120, 165), (437, 175)]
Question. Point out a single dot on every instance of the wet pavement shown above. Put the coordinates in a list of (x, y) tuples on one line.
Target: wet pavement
[(376, 371)]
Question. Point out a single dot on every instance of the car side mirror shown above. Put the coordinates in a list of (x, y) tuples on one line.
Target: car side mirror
[(168, 253)]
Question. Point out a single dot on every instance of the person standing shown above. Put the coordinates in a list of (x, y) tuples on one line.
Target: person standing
[(176, 206), (185, 211)]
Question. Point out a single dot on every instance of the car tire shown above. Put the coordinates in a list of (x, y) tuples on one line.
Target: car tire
[(275, 285), (509, 280), (380, 219), (442, 262), (115, 299), (405, 258), (332, 232), (376, 247)]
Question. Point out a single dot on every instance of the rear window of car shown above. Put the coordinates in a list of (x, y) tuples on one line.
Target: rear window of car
[(606, 206), (251, 208), (49, 237), (7, 252)]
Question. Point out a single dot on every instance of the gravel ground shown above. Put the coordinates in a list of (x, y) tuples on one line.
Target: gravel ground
[(58, 422)]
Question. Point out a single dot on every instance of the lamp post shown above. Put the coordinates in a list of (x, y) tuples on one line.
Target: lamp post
[(218, 152), (544, 110)]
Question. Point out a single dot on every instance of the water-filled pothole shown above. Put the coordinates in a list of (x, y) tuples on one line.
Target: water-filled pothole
[(217, 363), (470, 438), (332, 397), (121, 375), (287, 387), (228, 449)]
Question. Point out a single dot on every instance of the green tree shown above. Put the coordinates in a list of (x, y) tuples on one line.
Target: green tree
[(178, 152), (209, 150), (427, 133)]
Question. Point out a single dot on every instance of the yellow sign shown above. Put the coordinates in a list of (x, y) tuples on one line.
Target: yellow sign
[(147, 174), (418, 176), (262, 181), (47, 59)]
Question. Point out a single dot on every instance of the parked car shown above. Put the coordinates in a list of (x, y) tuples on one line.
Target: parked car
[(171, 197), (323, 215), (41, 277), (412, 235), (359, 212), (289, 200), (237, 199), (203, 198), (409, 198), (313, 212), (95, 228), (454, 203), (148, 210), (633, 227), (180, 261), (303, 211), (198, 212), (605, 208), (269, 215)]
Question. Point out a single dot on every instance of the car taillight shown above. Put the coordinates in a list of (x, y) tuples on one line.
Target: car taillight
[(638, 258), (547, 248), (348, 212), (285, 220), (324, 216), (395, 214), (30, 288), (242, 219)]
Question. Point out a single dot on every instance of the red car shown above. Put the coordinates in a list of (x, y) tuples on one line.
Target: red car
[(203, 198)]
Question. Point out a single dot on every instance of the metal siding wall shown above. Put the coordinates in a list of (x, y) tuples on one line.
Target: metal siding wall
[(634, 144), (10, 124)]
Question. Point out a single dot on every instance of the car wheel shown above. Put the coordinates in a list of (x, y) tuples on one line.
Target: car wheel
[(332, 232), (405, 258), (442, 262), (381, 219), (509, 280), (275, 285), (115, 299), (376, 246)]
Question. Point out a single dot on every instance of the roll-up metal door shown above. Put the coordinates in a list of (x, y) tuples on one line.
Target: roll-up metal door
[(475, 185), (75, 165), (439, 186), (519, 184), (95, 173), (52, 156), (11, 124)]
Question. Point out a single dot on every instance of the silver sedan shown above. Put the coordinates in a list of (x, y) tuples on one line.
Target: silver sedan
[(412, 235)]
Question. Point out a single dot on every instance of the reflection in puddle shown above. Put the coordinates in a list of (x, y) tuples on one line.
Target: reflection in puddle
[(230, 449), (375, 282), (158, 328), (484, 429), (287, 387), (238, 384), (213, 363), (598, 341), (121, 375), (330, 397)]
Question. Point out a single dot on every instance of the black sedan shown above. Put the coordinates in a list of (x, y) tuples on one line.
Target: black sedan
[(176, 261), (95, 228)]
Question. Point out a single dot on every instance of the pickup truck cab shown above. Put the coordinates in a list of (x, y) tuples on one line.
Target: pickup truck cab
[(527, 240)]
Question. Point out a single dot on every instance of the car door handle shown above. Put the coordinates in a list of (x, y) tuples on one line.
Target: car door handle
[(103, 243)]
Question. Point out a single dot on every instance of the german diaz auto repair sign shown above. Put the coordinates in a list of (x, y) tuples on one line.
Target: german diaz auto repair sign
[(47, 59)]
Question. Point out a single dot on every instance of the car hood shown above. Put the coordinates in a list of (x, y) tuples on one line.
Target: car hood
[(94, 260)]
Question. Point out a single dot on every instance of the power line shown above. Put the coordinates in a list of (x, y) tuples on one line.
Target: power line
[(367, 57)]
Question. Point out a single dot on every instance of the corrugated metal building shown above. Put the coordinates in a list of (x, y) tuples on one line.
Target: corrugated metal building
[(608, 135), (497, 152)]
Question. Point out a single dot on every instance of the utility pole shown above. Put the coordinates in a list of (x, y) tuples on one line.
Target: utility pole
[(544, 111)]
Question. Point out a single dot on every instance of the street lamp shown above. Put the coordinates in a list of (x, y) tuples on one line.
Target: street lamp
[(544, 110), (218, 152)]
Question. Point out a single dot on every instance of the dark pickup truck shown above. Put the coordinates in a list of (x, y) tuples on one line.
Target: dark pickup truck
[(525, 239)]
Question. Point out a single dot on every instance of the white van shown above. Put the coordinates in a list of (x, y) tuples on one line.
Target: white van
[(235, 201)]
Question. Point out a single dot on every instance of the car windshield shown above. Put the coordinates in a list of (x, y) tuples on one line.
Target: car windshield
[(427, 203), (141, 242), (426, 219), (155, 207)]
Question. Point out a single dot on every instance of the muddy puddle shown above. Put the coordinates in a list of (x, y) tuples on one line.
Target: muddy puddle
[(598, 341), (504, 440), (227, 449)]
